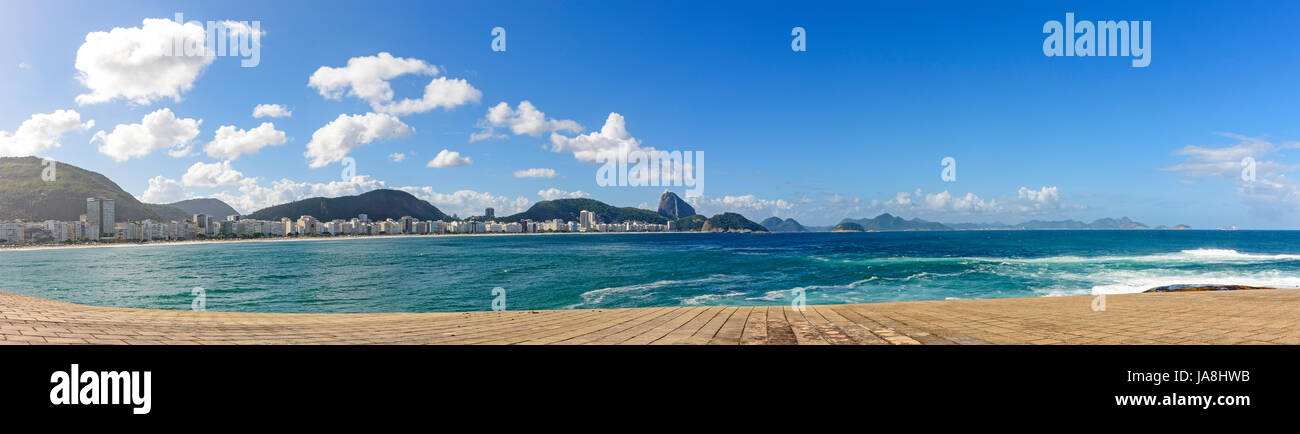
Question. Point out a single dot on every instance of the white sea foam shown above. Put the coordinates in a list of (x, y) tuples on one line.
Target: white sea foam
[(596, 296)]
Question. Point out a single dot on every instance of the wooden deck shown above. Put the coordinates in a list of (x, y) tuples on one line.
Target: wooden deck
[(1223, 317)]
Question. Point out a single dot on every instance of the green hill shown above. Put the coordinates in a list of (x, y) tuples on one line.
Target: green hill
[(887, 222), (775, 224), (377, 204), (24, 195), (569, 209), (731, 222), (848, 227), (690, 224), (212, 207), (169, 213)]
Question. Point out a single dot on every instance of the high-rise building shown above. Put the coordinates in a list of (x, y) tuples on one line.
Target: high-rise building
[(101, 216), (490, 213), (587, 220)]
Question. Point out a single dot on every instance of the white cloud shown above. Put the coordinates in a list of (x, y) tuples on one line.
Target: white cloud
[(212, 175), (397, 157), (1045, 198), (163, 190), (536, 173), (367, 78), (231, 142), (333, 141), (555, 193), (1270, 193), (271, 111), (158, 130), (40, 133), (441, 92), (947, 205), (746, 205), (446, 159), (138, 63), (600, 146), (524, 120), (469, 202), (23, 65)]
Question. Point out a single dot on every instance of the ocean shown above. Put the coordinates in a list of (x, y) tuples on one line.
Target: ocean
[(583, 271)]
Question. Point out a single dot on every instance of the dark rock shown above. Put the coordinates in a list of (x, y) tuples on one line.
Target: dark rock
[(674, 207)]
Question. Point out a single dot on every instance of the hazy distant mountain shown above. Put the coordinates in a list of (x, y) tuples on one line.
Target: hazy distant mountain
[(569, 209), (212, 207), (1105, 223), (731, 222), (25, 195), (673, 207), (377, 204), (994, 225), (848, 227), (775, 224), (887, 222), (1121, 223)]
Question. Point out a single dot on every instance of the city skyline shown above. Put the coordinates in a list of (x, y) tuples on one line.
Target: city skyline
[(1071, 138)]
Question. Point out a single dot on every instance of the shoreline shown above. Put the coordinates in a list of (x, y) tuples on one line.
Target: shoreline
[(1200, 318), (308, 239)]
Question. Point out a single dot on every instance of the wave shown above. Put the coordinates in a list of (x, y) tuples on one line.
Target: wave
[(1203, 256), (596, 296)]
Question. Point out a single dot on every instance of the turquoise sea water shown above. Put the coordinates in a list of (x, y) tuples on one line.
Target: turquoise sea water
[(458, 273)]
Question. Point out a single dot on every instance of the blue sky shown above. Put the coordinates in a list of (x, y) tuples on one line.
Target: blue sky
[(854, 126)]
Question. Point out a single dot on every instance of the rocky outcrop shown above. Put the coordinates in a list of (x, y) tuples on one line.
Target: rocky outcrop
[(673, 207)]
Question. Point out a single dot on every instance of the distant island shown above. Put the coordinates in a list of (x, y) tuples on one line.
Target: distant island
[(887, 222)]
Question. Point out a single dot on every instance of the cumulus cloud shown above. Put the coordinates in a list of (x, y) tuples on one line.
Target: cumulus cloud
[(555, 193), (527, 119), (1269, 192), (139, 64), (447, 159), (746, 205), (367, 78), (231, 142), (611, 141), (536, 173), (333, 141), (212, 175), (40, 133), (469, 202), (271, 111), (158, 130), (397, 157), (947, 205), (163, 190)]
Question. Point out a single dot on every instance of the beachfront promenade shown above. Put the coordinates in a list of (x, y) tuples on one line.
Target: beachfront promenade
[(1223, 317)]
